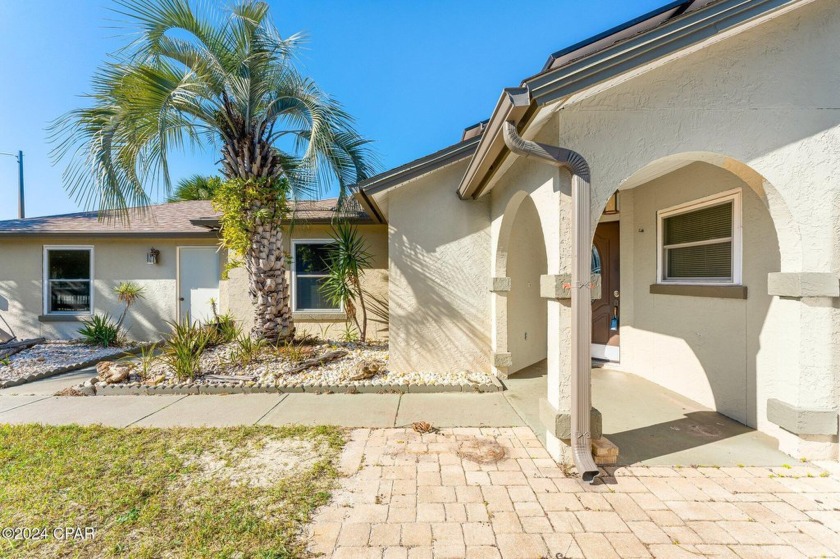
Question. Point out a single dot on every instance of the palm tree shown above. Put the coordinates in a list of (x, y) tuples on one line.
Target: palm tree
[(224, 79), (196, 187)]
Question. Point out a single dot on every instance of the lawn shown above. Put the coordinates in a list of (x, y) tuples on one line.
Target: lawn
[(234, 492)]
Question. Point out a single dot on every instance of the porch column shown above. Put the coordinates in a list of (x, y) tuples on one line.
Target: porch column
[(807, 409)]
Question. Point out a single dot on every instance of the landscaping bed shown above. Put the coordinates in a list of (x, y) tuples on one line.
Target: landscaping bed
[(149, 493), (54, 357), (309, 366)]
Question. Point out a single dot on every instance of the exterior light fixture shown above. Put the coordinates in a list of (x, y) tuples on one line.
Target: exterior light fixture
[(152, 256)]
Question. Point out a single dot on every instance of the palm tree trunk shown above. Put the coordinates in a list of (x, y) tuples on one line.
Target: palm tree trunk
[(265, 262)]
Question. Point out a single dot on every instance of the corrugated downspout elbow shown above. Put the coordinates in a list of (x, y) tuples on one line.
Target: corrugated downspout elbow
[(581, 299)]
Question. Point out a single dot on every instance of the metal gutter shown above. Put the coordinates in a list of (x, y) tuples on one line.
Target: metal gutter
[(661, 41), (692, 27), (109, 234), (418, 167), (512, 106), (581, 441)]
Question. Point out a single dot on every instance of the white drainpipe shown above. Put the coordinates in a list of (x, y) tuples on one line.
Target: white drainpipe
[(581, 292)]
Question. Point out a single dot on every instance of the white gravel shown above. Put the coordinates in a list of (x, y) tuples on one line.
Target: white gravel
[(272, 368), (53, 355)]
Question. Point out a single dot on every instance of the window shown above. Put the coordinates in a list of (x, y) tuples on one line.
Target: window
[(68, 275), (309, 269), (700, 242)]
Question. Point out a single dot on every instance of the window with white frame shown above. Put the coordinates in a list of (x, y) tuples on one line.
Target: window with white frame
[(68, 279), (700, 242), (310, 269)]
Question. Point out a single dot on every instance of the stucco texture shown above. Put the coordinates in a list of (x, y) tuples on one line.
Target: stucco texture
[(439, 252), (115, 261), (234, 296)]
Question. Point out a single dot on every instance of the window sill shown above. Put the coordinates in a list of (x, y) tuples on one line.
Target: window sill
[(316, 316), (688, 290), (63, 317)]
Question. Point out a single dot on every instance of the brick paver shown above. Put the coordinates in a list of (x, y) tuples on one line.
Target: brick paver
[(409, 495)]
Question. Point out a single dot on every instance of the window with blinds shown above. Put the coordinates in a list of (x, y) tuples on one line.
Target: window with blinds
[(698, 242)]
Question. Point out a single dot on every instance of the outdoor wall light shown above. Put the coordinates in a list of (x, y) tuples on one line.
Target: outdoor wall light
[(152, 256)]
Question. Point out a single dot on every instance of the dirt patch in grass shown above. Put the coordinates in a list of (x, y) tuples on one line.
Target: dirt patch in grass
[(152, 493)]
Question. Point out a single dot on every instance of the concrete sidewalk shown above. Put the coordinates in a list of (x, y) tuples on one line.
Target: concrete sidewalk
[(35, 403)]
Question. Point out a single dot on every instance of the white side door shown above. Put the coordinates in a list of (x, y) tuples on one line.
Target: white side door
[(198, 282)]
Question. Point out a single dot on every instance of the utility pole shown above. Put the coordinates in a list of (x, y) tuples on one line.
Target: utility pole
[(19, 157)]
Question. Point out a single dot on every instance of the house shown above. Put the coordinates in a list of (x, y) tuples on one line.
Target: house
[(681, 171), (664, 196), (58, 270)]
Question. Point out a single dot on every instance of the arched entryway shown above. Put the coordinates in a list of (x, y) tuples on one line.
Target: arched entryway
[(520, 311), (699, 233)]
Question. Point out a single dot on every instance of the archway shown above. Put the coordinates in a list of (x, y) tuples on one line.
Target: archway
[(520, 311), (700, 233)]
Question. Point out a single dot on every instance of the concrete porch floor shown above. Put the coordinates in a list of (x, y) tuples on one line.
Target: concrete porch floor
[(652, 425)]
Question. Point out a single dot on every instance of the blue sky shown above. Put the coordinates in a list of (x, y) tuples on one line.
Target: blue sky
[(412, 73)]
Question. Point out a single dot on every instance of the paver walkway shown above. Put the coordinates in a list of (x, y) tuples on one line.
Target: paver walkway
[(417, 496)]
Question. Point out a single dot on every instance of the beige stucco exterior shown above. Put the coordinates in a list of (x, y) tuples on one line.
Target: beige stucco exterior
[(756, 111), (234, 296), (115, 260)]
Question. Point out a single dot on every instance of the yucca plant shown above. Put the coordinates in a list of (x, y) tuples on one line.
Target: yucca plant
[(184, 347), (222, 78), (100, 330), (347, 258), (128, 293), (223, 329)]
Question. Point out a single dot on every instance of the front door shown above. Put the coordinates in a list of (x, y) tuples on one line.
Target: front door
[(605, 319), (198, 282)]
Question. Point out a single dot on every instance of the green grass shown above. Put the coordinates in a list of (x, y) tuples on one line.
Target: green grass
[(147, 494)]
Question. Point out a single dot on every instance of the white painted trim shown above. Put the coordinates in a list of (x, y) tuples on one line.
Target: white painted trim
[(293, 286), (606, 352), (45, 280), (734, 196)]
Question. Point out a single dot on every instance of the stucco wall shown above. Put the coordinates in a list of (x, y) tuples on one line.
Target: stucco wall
[(234, 291), (704, 348), (526, 309), (439, 250), (115, 261)]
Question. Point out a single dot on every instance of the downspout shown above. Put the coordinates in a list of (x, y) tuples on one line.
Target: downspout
[(581, 293)]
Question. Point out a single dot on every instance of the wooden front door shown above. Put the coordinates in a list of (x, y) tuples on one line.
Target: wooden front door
[(605, 317)]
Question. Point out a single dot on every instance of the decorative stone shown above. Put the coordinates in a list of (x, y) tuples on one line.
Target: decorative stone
[(500, 284), (803, 284)]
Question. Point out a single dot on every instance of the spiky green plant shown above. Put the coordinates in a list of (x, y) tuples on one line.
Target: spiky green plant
[(247, 350), (128, 293), (184, 347), (222, 77), (100, 330), (347, 258)]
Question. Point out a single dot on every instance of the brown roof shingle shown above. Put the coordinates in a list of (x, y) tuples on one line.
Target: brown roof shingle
[(193, 218)]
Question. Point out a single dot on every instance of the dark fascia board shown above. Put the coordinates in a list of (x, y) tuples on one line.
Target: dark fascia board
[(669, 37), (212, 223), (418, 167), (675, 7)]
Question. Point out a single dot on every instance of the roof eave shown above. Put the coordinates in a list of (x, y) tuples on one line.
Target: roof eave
[(632, 53)]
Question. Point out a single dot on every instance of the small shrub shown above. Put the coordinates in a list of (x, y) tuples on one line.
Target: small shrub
[(223, 330), (349, 335), (147, 359), (186, 343), (294, 352), (247, 350), (100, 330)]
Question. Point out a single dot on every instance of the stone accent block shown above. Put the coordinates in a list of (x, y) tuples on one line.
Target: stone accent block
[(801, 421), (500, 285), (502, 359), (559, 286), (803, 284), (560, 424)]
